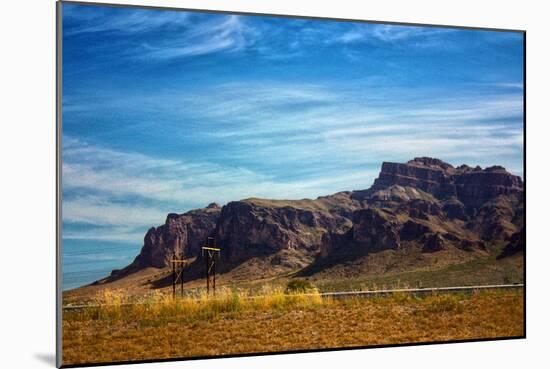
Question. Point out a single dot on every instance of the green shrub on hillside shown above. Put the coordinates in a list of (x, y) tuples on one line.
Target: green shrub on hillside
[(298, 286)]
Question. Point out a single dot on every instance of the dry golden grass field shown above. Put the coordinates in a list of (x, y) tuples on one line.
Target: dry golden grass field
[(236, 323)]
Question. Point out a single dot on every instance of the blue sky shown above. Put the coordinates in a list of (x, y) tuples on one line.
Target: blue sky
[(166, 111)]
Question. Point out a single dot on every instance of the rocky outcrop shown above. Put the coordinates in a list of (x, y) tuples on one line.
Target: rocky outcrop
[(376, 230), (413, 230), (246, 228), (516, 244), (180, 235), (429, 175), (433, 242), (471, 186), (454, 209)]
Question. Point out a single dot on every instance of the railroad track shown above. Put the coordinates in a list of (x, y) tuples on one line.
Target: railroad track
[(345, 294)]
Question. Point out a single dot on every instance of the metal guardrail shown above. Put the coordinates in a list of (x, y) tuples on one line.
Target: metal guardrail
[(422, 290), (359, 293)]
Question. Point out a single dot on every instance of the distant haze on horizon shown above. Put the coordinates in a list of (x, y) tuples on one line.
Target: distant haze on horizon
[(165, 111)]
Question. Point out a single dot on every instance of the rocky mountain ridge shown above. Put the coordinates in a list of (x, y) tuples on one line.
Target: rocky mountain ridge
[(425, 204)]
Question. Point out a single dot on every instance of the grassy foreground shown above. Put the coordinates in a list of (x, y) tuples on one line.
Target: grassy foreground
[(235, 322)]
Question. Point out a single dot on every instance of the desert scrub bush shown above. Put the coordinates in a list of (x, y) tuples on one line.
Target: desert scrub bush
[(298, 286)]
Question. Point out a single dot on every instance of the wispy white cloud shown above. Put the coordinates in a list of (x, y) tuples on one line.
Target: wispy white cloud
[(121, 234), (92, 210), (511, 85), (185, 34), (417, 36), (82, 20), (335, 124), (104, 218), (391, 33), (271, 110), (116, 174), (229, 33)]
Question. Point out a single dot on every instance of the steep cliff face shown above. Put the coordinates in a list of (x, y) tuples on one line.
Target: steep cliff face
[(246, 229), (475, 187), (425, 204), (255, 227), (426, 174), (181, 234), (471, 186)]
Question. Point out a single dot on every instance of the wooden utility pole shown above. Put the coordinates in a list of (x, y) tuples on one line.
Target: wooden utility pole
[(178, 265), (211, 255)]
